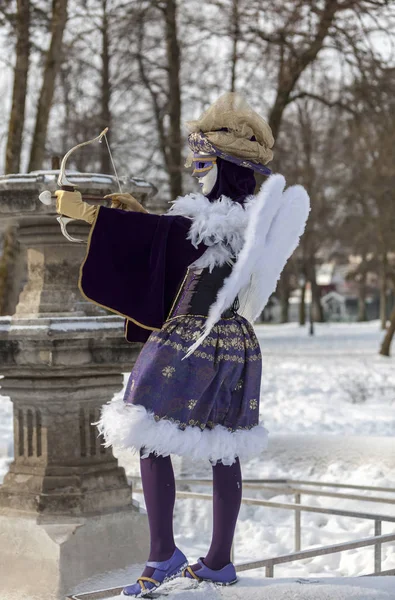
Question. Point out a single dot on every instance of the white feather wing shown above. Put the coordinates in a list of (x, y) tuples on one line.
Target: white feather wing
[(281, 241), (261, 214)]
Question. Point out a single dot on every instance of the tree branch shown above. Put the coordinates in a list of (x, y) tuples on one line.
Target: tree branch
[(323, 100)]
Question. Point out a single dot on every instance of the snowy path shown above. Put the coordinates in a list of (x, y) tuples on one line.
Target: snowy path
[(372, 588)]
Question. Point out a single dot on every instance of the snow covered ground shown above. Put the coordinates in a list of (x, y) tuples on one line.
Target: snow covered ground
[(328, 402), (329, 405), (374, 588)]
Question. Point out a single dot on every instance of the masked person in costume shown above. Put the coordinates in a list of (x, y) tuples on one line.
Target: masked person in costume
[(189, 284)]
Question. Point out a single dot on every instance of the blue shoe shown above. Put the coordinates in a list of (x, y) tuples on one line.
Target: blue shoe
[(225, 576), (164, 571)]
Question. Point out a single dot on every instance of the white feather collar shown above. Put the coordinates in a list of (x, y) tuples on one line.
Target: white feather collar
[(220, 225)]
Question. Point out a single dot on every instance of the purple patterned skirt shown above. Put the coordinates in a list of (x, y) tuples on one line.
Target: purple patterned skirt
[(206, 406)]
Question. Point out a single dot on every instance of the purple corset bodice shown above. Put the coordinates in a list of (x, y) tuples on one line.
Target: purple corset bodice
[(199, 290)]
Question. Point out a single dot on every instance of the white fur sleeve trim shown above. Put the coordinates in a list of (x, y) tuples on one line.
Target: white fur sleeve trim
[(132, 427)]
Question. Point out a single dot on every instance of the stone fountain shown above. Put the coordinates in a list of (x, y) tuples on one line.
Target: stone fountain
[(66, 512)]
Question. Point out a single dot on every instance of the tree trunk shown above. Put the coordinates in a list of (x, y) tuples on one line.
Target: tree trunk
[(318, 311), (283, 290), (292, 66), (383, 292), (8, 279), (362, 314), (105, 162), (21, 71), (302, 305), (311, 318), (66, 95), (386, 345), (51, 69), (284, 299), (316, 306), (174, 146), (235, 39)]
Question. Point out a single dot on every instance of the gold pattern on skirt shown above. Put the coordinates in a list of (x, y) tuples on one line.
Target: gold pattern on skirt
[(194, 423), (239, 385), (168, 371), (227, 339), (200, 354)]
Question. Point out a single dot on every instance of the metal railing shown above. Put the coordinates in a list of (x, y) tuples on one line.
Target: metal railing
[(291, 486), (269, 563), (353, 486), (286, 486)]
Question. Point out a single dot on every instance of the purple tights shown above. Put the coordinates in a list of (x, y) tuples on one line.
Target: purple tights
[(227, 490), (159, 492), (159, 487)]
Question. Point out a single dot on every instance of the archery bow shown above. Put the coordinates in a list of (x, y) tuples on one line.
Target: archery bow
[(65, 184)]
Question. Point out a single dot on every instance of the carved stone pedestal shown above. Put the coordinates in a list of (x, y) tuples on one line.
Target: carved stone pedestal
[(66, 510), (46, 559)]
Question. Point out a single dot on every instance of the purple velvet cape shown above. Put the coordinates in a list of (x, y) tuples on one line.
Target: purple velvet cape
[(134, 265)]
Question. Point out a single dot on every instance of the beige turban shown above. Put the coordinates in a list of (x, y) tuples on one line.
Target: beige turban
[(232, 112)]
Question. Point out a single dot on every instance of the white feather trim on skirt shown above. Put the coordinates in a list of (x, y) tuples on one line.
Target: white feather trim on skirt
[(132, 426)]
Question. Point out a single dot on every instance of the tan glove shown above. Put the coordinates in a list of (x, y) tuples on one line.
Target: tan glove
[(125, 202), (71, 205)]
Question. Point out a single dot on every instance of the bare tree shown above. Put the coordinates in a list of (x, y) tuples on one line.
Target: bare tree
[(308, 153), (172, 59), (106, 88), (174, 153), (307, 28), (155, 49), (19, 93), (51, 69), (370, 141), (389, 336), (235, 37), (293, 63), (386, 345)]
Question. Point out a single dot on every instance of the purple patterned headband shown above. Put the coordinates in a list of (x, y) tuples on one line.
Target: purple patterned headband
[(200, 144)]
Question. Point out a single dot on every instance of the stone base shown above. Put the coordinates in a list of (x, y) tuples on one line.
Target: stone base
[(46, 559)]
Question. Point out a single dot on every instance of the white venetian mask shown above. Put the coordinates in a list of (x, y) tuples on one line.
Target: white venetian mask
[(208, 181), (206, 171)]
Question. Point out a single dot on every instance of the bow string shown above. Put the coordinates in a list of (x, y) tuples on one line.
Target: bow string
[(46, 197), (62, 179)]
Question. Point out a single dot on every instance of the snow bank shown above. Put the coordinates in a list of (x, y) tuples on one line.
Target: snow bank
[(373, 588), (285, 590)]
